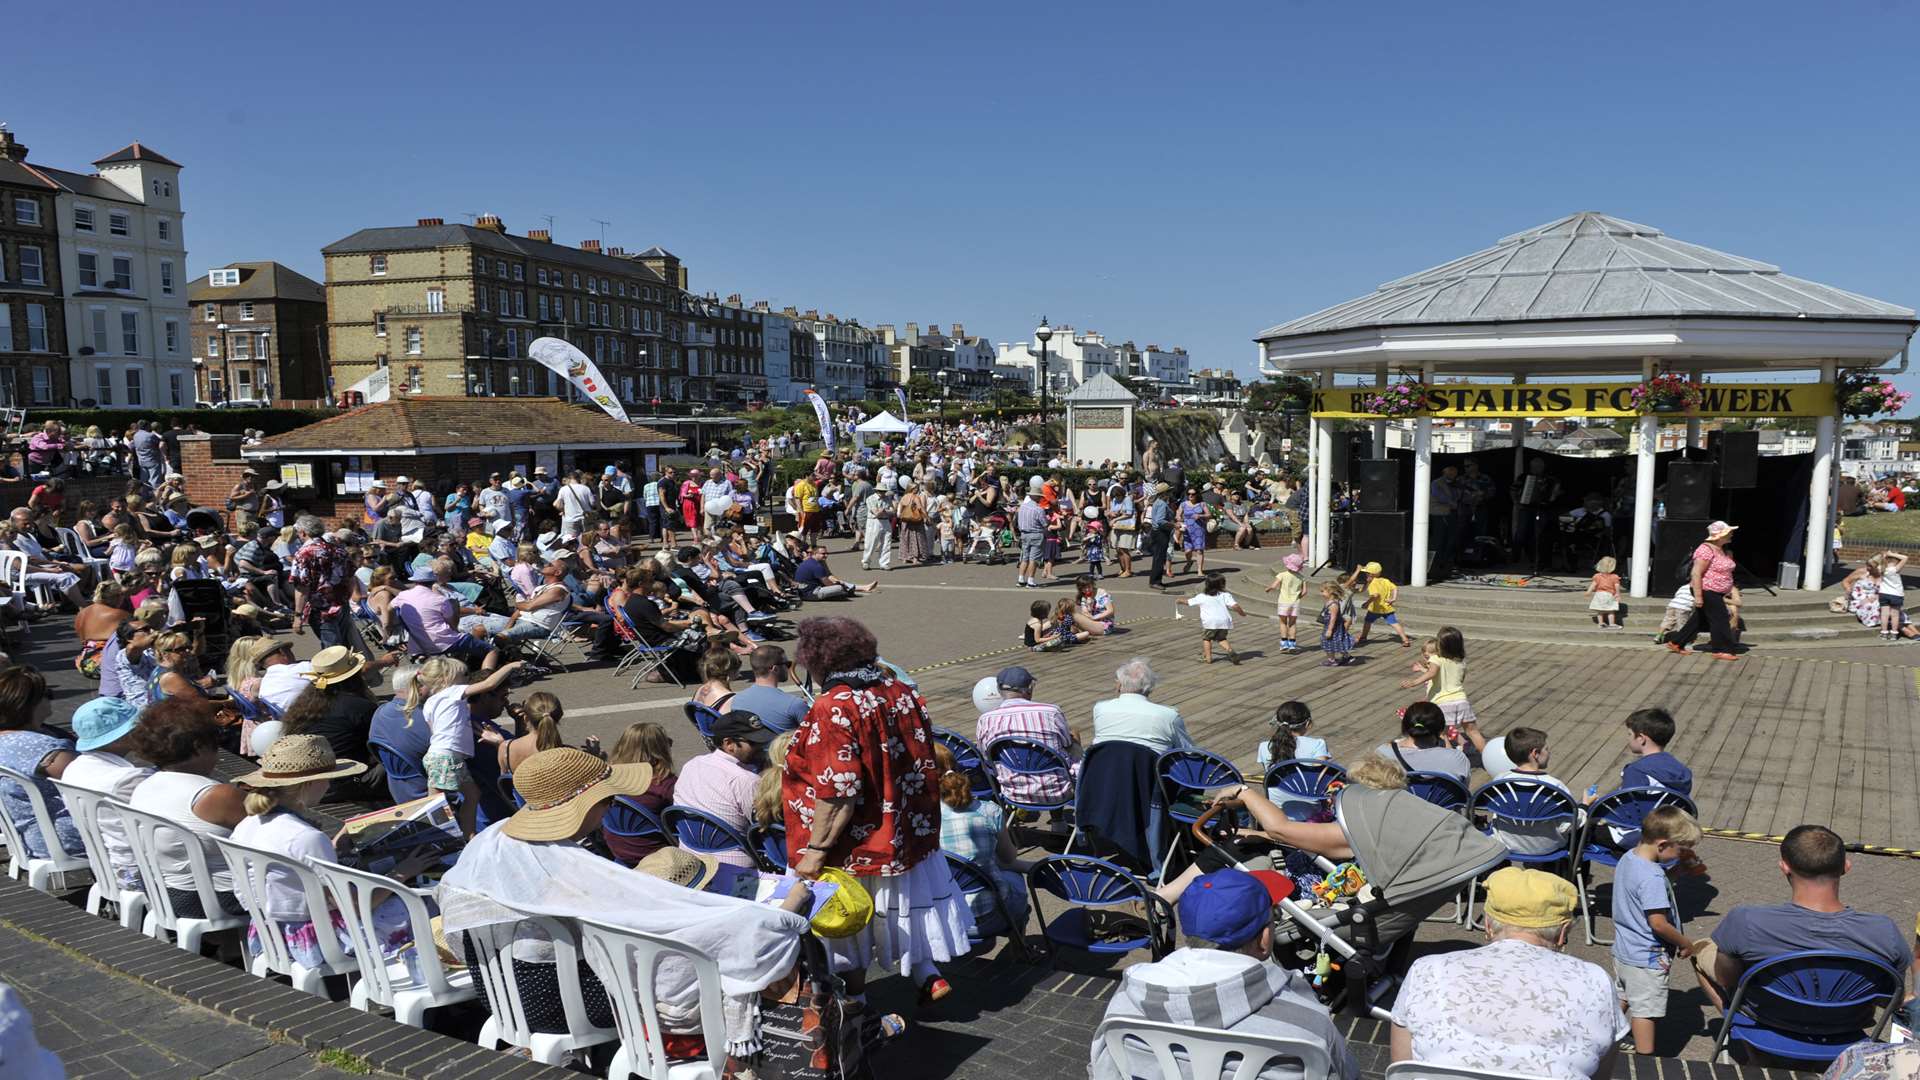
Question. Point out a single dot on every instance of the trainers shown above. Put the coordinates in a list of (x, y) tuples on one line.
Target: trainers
[(754, 637)]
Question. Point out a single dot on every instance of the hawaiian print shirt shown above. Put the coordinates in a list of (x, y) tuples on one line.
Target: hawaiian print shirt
[(324, 571), (872, 743)]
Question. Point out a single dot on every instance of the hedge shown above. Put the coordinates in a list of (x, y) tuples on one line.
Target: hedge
[(213, 421)]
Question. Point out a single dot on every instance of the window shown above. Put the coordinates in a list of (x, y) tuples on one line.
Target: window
[(261, 350), (513, 343), (166, 277), (246, 311), (213, 347), (599, 349), (224, 278), (103, 384), (379, 324), (576, 281), (500, 268), (37, 328), (6, 327), (243, 384), (122, 273), (486, 342), (519, 272), (26, 211), (436, 301), (377, 264), (540, 275), (32, 270), (42, 386), (173, 335), (176, 389), (210, 313), (606, 314), (99, 321), (416, 378), (605, 286), (117, 223), (576, 309), (89, 269), (215, 387), (83, 219), (479, 264), (519, 304), (415, 346), (135, 394), (130, 333), (505, 305), (543, 307), (243, 346), (163, 229)]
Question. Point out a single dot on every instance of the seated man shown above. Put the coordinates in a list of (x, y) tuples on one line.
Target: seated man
[(430, 617), (1130, 717), (1224, 979), (778, 709), (1489, 1008), (1018, 716), (537, 615), (721, 782), (1813, 858), (816, 581), (262, 570)]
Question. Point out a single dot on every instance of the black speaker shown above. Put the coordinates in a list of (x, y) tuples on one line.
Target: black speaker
[(1690, 489), (1381, 538), (1379, 480), (1347, 448), (1738, 453), (1672, 552)]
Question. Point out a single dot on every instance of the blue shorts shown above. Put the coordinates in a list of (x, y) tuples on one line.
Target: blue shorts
[(1389, 618)]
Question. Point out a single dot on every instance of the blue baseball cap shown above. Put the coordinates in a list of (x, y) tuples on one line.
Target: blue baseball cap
[(1226, 907), (101, 721)]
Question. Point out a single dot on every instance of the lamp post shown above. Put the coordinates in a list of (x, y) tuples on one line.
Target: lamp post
[(1044, 333), (945, 375), (226, 364)]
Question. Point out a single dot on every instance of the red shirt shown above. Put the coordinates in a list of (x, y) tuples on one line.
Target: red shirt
[(874, 745)]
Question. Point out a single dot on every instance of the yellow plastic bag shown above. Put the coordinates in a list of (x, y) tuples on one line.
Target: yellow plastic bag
[(848, 910)]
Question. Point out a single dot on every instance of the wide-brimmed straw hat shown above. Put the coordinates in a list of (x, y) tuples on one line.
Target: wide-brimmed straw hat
[(334, 664), (299, 759), (562, 785), (687, 869)]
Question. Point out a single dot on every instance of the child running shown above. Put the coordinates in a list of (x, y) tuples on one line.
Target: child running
[(1604, 591), (1381, 595), (1336, 640), (439, 691), (1291, 587), (1217, 609), (1445, 673)]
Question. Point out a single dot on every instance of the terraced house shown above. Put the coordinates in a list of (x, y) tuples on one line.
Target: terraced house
[(33, 333)]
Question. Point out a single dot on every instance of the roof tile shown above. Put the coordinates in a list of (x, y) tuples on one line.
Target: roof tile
[(452, 423)]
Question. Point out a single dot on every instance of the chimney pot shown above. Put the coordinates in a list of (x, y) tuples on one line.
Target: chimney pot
[(545, 236), (432, 221), (589, 245), (11, 150)]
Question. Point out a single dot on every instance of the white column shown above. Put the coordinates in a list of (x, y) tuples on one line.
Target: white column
[(1323, 483), (1819, 507), (1519, 470), (1693, 422), (1643, 495), (1422, 487)]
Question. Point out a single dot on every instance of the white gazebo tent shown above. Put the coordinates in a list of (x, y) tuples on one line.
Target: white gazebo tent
[(884, 424), (1589, 295)]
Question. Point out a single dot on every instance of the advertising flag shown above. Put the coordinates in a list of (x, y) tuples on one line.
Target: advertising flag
[(902, 394), (558, 356), (826, 421)]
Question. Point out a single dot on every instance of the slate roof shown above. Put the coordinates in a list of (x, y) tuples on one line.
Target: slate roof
[(1586, 266), (93, 187), (20, 175), (133, 151), (259, 281), (1100, 388), (422, 237), (445, 424)]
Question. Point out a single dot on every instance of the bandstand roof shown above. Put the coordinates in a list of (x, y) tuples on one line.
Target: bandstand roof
[(1591, 287)]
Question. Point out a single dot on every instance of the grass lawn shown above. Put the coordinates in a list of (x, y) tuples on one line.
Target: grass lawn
[(1900, 529)]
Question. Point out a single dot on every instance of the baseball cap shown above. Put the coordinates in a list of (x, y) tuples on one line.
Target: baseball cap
[(1371, 568), (1015, 678), (1531, 899), (610, 471), (1226, 907), (744, 725)]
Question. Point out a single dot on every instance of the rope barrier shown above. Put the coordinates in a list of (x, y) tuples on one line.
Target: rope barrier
[(1766, 838)]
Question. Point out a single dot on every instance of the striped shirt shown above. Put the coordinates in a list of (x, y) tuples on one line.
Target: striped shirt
[(1035, 721)]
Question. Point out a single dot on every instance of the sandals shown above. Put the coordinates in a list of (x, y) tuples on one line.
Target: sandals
[(934, 989)]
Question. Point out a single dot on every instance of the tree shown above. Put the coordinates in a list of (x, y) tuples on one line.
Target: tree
[(923, 388), (1271, 393)]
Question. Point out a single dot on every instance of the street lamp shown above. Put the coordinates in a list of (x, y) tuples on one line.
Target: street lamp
[(226, 363), (1044, 333), (945, 375)]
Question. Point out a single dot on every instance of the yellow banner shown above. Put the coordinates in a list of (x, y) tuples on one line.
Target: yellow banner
[(1585, 399)]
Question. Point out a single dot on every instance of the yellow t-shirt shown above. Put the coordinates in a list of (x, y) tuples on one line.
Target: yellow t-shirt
[(807, 496), (1291, 587), (1380, 596), (1451, 685), (479, 544)]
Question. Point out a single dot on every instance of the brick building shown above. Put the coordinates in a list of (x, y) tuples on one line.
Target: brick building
[(33, 331), (442, 309), (258, 332)]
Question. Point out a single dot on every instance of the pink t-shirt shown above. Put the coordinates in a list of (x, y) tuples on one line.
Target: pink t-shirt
[(1719, 575), (718, 784)]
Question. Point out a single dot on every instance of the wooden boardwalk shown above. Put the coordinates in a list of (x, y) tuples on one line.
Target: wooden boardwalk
[(1773, 741)]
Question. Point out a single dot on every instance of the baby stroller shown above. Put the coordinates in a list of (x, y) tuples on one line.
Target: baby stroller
[(202, 598), (1414, 856)]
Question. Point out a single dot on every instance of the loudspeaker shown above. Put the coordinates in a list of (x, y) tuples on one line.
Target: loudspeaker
[(1690, 489), (1673, 551), (1738, 453), (1381, 538), (1347, 448), (1379, 480)]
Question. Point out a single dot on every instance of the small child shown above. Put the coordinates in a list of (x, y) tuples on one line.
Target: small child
[(1604, 590), (1645, 934), (1443, 667), (1336, 640), (1679, 610), (946, 537), (1096, 544), (1893, 592), (439, 692), (1291, 587), (1527, 748), (1040, 634), (122, 550), (1381, 595), (1217, 609), (1061, 619), (1649, 731), (1290, 741), (980, 542)]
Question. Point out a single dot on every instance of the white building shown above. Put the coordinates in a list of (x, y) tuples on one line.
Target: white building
[(844, 354), (1169, 368), (1872, 449), (1073, 357), (776, 350), (123, 257)]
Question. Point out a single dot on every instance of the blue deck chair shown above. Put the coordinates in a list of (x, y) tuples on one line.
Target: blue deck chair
[(974, 882), (702, 717), (1089, 884), (1302, 781), (1595, 844), (1806, 1007), (1025, 757), (630, 819), (700, 831), (770, 846), (968, 759), (1184, 773), (1519, 801), (406, 780)]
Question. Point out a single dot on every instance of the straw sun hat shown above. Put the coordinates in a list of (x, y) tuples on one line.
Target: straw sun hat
[(299, 759), (335, 664), (561, 786)]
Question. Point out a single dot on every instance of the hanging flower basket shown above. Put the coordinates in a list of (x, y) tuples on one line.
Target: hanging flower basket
[(1868, 396), (1408, 397), (1666, 394)]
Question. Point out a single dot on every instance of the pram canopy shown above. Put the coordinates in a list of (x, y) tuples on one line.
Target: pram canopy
[(1408, 847)]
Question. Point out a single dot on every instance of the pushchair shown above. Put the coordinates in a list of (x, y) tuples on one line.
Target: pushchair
[(205, 599), (1414, 855)]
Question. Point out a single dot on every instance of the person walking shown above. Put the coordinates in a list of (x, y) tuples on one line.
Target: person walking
[(1712, 580), (1158, 534), (1030, 521), (878, 547)]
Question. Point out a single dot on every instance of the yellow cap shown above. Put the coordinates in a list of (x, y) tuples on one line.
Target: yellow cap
[(848, 910), (1531, 899), (1371, 568)]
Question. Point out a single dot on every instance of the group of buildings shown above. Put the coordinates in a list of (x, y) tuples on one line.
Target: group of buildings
[(96, 308)]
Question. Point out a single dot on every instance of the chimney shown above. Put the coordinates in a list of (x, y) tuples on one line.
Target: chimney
[(959, 332), (590, 245), (491, 223), (9, 148), (913, 333), (790, 312), (735, 301), (545, 236), (617, 252), (813, 314), (427, 221)]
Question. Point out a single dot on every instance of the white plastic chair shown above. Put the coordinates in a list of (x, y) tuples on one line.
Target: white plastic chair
[(71, 544), (628, 961), (49, 875), (1420, 1070), (85, 807), (1141, 1047), (493, 950), (251, 868), (13, 572), (143, 836), (408, 986)]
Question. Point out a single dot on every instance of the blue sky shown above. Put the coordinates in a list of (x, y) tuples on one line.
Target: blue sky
[(1182, 174)]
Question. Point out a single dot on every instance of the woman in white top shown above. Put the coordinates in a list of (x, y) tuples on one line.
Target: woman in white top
[(182, 739), (103, 732)]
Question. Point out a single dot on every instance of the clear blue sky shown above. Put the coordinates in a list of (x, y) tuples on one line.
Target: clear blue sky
[(1179, 174)]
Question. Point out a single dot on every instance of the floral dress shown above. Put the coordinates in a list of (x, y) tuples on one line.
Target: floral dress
[(1193, 529), (1863, 599), (866, 738), (23, 751)]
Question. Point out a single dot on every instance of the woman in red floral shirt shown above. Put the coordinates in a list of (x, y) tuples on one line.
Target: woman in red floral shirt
[(861, 790)]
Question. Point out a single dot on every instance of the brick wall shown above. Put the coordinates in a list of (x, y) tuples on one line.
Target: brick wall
[(212, 465), (100, 489)]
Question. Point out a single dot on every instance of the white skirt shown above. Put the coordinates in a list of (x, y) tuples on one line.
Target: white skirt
[(920, 915)]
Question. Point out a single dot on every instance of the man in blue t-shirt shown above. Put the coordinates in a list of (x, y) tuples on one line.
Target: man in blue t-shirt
[(775, 707), (816, 581), (1814, 858)]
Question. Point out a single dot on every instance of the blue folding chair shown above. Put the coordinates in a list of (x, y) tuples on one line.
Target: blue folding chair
[(968, 759), (1089, 885), (1521, 803), (1302, 781), (702, 717), (629, 820), (1025, 757), (1806, 1007), (701, 832), (1441, 789), (974, 882), (1623, 810), (406, 780), (1183, 773), (770, 846)]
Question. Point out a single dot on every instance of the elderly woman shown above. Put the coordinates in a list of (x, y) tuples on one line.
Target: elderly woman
[(27, 747), (861, 787), (181, 738), (1712, 581)]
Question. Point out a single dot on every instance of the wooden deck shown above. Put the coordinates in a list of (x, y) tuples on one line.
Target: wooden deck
[(1773, 741)]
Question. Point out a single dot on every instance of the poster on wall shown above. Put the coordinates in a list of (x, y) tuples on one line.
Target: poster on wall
[(548, 460)]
